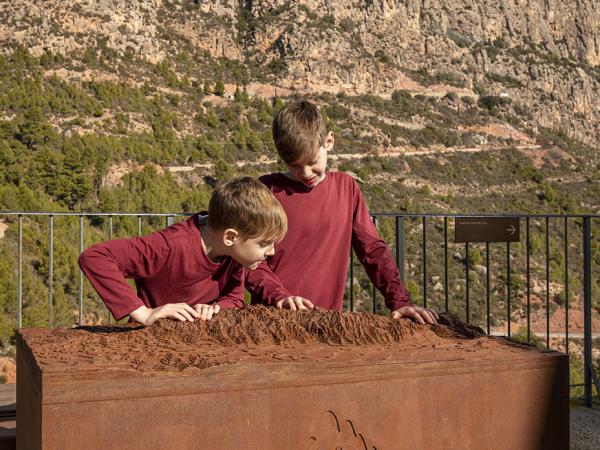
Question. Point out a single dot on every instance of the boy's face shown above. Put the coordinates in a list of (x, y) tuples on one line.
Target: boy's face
[(311, 173), (251, 252)]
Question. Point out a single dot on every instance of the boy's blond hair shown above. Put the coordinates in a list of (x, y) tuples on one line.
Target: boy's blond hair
[(249, 207), (299, 130)]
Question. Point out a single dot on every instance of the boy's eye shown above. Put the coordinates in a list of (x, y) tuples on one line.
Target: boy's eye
[(265, 244)]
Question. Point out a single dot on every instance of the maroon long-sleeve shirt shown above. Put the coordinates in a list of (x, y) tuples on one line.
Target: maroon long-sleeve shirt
[(168, 266), (312, 260)]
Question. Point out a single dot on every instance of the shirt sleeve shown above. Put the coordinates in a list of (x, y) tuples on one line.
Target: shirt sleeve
[(264, 284), (232, 294), (375, 255), (109, 264)]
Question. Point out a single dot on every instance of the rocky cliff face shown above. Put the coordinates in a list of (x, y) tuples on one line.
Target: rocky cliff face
[(545, 54)]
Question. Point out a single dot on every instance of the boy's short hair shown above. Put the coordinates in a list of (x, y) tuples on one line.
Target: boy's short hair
[(299, 130), (249, 207)]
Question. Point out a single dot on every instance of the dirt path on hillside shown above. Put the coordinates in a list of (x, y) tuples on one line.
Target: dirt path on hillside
[(394, 152)]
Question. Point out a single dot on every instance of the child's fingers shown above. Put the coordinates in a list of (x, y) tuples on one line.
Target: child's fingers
[(212, 310), (428, 318), (427, 315), (184, 312), (294, 303), (181, 309), (299, 302), (204, 313), (431, 314), (209, 311), (411, 313), (191, 311), (415, 315), (178, 316)]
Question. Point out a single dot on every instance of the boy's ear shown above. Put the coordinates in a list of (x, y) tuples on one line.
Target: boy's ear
[(230, 236), (329, 141)]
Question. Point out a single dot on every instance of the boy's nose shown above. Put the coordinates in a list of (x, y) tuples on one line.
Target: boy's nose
[(270, 251), (306, 171)]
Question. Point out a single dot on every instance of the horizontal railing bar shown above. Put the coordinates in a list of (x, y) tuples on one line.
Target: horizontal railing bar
[(379, 214), (555, 335), (460, 215), (88, 214)]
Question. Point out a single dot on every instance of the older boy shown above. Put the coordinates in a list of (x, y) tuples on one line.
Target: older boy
[(326, 213), (194, 268)]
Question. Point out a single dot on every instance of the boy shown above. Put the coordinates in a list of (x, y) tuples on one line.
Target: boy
[(194, 268), (327, 213)]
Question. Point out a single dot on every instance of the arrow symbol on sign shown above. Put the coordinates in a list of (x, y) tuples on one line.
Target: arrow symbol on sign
[(512, 230)]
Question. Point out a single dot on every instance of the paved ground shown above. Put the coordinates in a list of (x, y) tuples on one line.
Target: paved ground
[(585, 428)]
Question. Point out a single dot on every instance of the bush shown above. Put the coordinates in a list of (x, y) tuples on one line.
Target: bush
[(492, 102), (561, 299), (219, 88), (347, 25), (382, 57), (401, 95), (521, 337)]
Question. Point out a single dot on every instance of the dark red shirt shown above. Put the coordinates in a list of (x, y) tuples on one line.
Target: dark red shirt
[(168, 266), (312, 260)]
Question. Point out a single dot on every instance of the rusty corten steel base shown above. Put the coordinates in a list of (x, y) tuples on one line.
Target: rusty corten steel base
[(517, 400)]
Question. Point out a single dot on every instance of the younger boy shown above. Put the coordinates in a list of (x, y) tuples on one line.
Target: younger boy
[(194, 268), (327, 214)]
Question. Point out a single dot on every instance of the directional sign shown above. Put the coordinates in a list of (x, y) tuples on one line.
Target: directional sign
[(486, 229)]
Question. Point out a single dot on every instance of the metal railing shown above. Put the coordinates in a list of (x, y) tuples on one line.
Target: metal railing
[(399, 246), (586, 262)]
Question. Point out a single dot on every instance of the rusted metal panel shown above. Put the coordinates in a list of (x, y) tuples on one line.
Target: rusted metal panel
[(510, 397)]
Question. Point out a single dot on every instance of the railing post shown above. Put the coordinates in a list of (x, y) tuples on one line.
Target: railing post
[(424, 243), (528, 250), (80, 271), (587, 312), (467, 304), (547, 282), (20, 276), (400, 245), (446, 263), (508, 282), (170, 220), (110, 237), (566, 233), (50, 269), (487, 286), (374, 306)]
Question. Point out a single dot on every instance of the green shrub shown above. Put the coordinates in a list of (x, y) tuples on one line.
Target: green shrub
[(219, 88), (492, 102)]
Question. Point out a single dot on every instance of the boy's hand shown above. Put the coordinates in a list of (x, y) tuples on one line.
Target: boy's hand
[(294, 303), (177, 311), (206, 312), (416, 313)]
